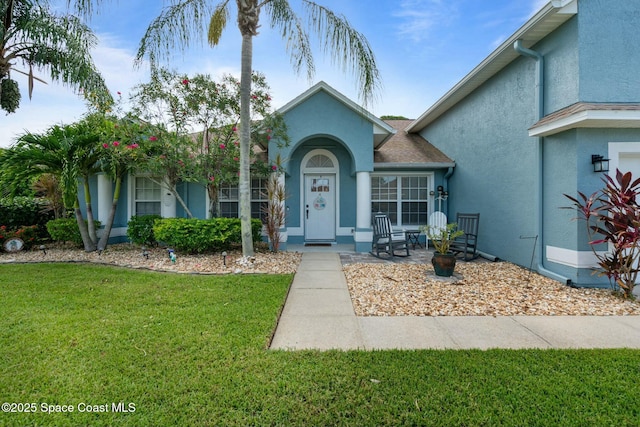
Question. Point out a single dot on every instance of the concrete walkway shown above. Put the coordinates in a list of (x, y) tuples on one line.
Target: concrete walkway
[(318, 314)]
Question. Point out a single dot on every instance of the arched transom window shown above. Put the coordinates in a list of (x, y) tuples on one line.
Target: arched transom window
[(320, 161)]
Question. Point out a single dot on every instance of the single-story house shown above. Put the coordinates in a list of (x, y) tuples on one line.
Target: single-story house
[(507, 141)]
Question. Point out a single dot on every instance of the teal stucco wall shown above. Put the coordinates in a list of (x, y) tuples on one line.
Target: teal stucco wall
[(323, 115), (591, 58), (495, 173)]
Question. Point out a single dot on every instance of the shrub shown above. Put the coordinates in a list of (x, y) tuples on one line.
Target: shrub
[(66, 230), (202, 235), (23, 211), (140, 229), (28, 234)]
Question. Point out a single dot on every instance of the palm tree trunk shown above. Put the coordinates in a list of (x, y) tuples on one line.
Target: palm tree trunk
[(244, 186), (89, 245), (91, 226), (104, 240)]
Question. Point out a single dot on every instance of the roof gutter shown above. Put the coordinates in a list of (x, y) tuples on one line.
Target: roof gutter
[(539, 99), (419, 166)]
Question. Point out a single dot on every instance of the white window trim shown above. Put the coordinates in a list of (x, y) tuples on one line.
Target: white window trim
[(237, 200), (132, 192), (430, 189)]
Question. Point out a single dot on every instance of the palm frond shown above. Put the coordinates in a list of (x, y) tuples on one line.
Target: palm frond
[(177, 26), (298, 45), (85, 8), (347, 47), (58, 45), (218, 23)]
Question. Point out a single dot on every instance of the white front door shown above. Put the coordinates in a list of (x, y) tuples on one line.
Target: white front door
[(320, 207)]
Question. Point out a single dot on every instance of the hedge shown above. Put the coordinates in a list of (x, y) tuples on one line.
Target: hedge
[(18, 212), (66, 230), (202, 235), (140, 229)]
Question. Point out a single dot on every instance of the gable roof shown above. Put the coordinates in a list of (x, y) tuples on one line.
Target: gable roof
[(405, 150), (381, 130), (548, 19), (588, 115)]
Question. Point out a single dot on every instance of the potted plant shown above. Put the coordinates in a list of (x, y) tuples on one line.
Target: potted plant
[(443, 261)]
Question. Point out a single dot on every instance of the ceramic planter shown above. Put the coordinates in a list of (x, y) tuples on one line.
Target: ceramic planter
[(443, 264)]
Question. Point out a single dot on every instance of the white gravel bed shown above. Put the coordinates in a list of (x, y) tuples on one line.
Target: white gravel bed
[(127, 255), (486, 289)]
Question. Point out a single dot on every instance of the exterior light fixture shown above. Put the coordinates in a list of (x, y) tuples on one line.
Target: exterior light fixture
[(600, 164), (224, 258), (442, 196), (145, 252), (43, 248), (441, 193)]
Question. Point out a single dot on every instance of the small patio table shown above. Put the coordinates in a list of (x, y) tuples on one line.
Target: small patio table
[(413, 237)]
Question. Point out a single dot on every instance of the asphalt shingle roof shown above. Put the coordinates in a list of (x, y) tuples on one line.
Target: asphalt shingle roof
[(406, 147)]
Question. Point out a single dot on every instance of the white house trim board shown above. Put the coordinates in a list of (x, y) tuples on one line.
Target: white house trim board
[(105, 196), (618, 150), (572, 258), (590, 119)]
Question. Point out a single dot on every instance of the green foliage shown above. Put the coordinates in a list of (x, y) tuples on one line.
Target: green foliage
[(28, 234), (66, 230), (275, 213), (202, 235), (140, 229), (32, 37), (442, 237), (17, 212), (389, 117), (9, 95)]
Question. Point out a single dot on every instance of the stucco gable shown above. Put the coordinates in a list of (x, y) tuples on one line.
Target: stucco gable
[(381, 130)]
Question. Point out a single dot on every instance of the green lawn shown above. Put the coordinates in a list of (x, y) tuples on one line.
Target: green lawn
[(190, 350)]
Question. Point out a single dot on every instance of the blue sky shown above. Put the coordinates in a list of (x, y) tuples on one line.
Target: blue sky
[(422, 47)]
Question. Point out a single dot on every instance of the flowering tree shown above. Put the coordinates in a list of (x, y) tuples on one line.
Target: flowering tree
[(197, 120), (121, 153)]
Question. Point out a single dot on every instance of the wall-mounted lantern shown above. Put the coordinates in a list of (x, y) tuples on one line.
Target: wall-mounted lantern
[(600, 164)]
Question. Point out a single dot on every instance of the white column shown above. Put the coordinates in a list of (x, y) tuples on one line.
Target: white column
[(363, 200), (168, 204), (105, 197)]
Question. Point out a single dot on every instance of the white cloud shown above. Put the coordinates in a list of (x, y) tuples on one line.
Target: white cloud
[(419, 17)]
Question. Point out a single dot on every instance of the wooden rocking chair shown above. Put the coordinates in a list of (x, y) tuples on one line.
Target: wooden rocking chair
[(385, 240), (467, 244)]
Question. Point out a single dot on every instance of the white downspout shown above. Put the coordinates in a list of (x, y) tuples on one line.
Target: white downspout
[(540, 268)]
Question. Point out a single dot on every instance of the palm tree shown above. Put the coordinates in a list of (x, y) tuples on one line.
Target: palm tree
[(68, 153), (31, 36), (185, 20)]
